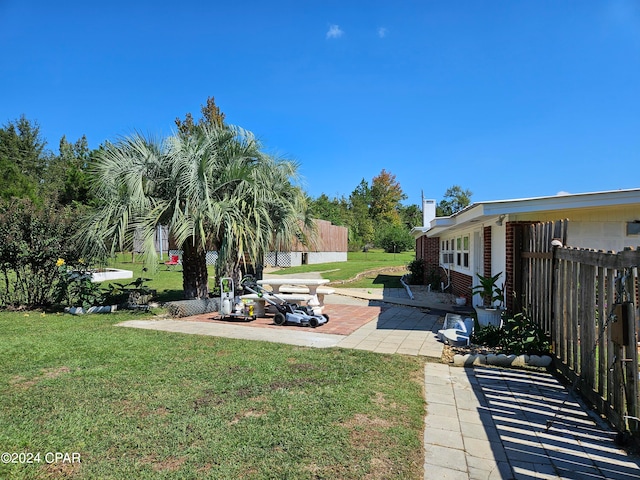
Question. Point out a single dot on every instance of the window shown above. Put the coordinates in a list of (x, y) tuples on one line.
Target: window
[(465, 251), (633, 228), (462, 251), (447, 251)]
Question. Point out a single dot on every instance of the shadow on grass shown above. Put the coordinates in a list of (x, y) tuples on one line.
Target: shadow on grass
[(387, 281), (170, 296)]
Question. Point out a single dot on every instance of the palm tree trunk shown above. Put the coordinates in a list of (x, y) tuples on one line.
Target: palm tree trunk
[(195, 276)]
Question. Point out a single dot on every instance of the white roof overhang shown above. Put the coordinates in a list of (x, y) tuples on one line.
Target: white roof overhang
[(492, 211)]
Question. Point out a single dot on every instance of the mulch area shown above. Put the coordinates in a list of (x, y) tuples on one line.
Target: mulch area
[(343, 319)]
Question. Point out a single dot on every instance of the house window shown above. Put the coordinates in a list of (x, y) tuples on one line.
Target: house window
[(465, 251), (633, 228), (462, 251), (447, 251)]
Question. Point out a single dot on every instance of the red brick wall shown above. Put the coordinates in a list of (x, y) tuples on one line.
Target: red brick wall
[(428, 249), (487, 251), (461, 284)]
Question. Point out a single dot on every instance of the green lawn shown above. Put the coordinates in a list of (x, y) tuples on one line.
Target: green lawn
[(146, 404), (167, 283), (359, 262)]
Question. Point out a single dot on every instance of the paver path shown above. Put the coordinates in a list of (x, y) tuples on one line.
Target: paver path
[(491, 423)]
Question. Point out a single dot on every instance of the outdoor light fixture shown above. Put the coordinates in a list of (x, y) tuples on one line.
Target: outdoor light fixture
[(500, 219)]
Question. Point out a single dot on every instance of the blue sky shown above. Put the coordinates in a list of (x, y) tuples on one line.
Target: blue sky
[(509, 99)]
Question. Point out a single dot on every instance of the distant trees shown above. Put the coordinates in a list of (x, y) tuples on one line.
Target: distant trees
[(30, 171), (386, 195), (455, 199), (373, 214), (22, 160), (67, 175), (211, 115)]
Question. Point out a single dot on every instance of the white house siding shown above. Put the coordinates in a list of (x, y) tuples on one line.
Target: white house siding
[(596, 228)]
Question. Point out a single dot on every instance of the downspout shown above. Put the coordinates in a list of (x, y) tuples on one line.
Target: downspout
[(448, 273)]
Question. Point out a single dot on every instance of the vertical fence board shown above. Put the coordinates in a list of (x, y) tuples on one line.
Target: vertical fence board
[(574, 327), (564, 328), (611, 354), (601, 358), (587, 325)]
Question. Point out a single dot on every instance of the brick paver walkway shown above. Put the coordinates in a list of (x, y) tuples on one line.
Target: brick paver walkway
[(343, 319)]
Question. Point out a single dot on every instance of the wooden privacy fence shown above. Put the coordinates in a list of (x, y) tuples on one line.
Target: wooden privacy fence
[(587, 301)]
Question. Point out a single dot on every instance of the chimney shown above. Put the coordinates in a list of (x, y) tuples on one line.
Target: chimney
[(428, 211)]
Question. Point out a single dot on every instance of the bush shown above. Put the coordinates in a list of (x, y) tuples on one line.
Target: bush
[(433, 278), (488, 336), (395, 239), (416, 269), (35, 242), (75, 288), (518, 336)]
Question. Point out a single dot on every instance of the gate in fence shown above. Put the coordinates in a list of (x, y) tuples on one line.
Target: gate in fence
[(587, 301)]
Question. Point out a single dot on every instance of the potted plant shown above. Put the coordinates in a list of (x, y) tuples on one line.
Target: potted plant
[(492, 295)]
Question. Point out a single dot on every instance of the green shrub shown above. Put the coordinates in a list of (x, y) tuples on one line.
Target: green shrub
[(33, 242), (518, 335), (75, 288), (433, 278), (488, 336), (416, 269)]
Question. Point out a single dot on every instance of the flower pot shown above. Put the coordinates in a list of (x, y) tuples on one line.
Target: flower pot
[(489, 316)]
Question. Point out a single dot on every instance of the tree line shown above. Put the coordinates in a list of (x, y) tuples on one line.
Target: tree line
[(375, 215)]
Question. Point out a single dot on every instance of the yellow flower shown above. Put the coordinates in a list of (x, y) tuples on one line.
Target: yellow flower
[(26, 315), (60, 262)]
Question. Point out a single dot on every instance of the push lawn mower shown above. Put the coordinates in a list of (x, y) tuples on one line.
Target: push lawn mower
[(286, 312)]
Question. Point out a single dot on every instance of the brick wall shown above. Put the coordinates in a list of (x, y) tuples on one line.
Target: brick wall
[(429, 250), (487, 251), (461, 285)]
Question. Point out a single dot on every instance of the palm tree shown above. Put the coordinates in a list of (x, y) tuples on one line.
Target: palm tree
[(213, 187)]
